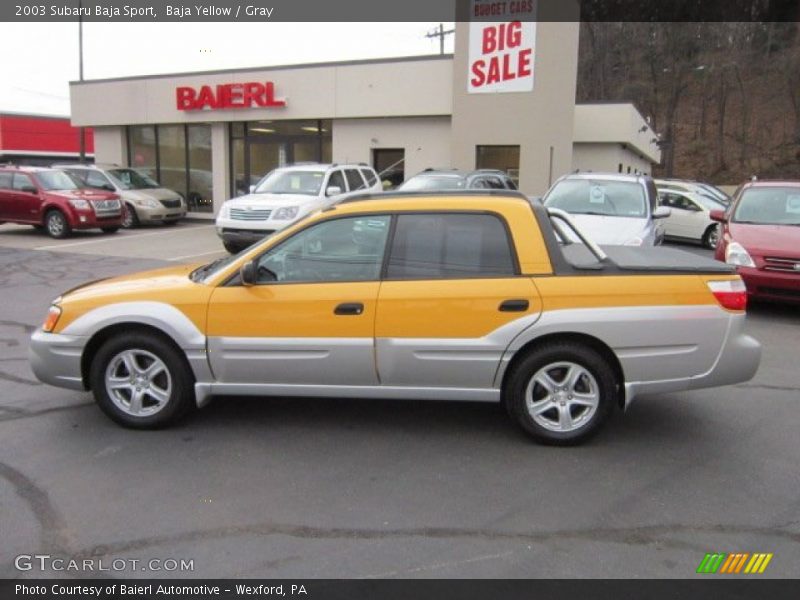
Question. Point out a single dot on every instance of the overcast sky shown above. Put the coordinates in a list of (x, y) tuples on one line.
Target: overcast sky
[(40, 59)]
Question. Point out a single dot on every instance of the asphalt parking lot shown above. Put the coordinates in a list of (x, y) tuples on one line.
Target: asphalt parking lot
[(353, 488)]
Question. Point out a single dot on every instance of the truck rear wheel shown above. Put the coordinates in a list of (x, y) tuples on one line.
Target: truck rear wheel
[(561, 393)]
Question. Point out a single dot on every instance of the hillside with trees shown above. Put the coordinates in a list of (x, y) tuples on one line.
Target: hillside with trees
[(724, 97)]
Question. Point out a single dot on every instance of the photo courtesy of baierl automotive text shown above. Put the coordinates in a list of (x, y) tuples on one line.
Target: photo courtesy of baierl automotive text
[(465, 299)]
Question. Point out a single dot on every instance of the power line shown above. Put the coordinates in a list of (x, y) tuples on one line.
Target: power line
[(440, 33)]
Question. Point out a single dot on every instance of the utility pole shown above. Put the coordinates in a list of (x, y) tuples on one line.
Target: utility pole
[(82, 132), (440, 33)]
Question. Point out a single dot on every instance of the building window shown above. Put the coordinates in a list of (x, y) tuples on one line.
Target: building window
[(258, 147), (178, 157), (503, 158), (390, 166)]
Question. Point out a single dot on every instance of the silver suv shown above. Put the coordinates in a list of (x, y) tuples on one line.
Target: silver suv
[(287, 194), (146, 201)]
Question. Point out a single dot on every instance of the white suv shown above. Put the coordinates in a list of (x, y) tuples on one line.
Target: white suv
[(286, 195)]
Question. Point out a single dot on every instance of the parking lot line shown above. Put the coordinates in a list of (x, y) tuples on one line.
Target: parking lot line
[(124, 237), (198, 254)]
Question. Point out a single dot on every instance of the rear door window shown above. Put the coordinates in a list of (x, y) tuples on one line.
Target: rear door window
[(5, 180), (354, 180), (370, 176), (450, 246)]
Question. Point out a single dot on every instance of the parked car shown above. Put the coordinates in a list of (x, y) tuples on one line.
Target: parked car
[(286, 195), (695, 187), (53, 200), (452, 180), (761, 238), (690, 216), (613, 208), (145, 200), (437, 297)]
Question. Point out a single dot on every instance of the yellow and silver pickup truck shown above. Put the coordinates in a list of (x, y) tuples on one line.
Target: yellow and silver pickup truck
[(468, 296)]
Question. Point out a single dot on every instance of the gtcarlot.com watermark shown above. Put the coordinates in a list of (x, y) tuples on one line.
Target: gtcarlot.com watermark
[(47, 562)]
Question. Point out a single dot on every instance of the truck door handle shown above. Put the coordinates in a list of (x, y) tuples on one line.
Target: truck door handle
[(349, 308), (515, 305)]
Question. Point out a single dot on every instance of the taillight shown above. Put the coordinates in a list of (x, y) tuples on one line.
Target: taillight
[(731, 293)]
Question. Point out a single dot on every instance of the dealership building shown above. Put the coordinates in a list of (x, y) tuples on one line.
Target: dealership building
[(505, 99)]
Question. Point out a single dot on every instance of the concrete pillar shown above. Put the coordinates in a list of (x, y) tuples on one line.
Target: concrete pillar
[(110, 146), (220, 165)]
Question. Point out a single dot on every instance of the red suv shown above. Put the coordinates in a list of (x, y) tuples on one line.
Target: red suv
[(761, 237), (53, 200)]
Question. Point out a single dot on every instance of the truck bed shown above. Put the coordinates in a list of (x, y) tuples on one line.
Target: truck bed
[(656, 259)]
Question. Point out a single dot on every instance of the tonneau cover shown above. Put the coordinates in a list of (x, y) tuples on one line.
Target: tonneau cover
[(656, 259)]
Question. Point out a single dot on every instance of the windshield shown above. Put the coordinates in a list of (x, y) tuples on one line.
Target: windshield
[(423, 183), (56, 180), (769, 206), (306, 183), (130, 179), (598, 197)]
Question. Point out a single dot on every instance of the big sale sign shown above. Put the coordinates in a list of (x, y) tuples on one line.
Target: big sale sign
[(501, 53)]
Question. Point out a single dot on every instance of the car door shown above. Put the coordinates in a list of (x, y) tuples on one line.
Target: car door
[(451, 301), (697, 219), (27, 204), (335, 180), (310, 319), (676, 224), (7, 197)]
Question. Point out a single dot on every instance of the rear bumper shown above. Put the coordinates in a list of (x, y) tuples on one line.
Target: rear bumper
[(55, 359), (737, 362)]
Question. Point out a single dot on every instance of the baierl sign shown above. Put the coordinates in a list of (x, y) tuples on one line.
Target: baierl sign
[(501, 50)]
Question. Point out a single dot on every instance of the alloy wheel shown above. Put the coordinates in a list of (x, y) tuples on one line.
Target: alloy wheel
[(562, 396), (138, 382)]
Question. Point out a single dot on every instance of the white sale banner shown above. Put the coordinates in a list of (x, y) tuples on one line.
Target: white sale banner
[(501, 57)]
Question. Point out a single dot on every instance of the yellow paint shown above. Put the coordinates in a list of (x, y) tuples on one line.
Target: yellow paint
[(440, 308), (292, 310), (455, 309)]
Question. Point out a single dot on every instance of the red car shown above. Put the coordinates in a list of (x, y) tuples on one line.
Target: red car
[(53, 200), (761, 237)]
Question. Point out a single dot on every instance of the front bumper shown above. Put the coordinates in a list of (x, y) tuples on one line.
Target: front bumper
[(147, 214), (244, 233), (771, 285), (55, 359)]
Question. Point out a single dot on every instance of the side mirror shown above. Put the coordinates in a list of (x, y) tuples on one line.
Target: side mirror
[(718, 216), (248, 273), (661, 212), (252, 189), (333, 190), (29, 189)]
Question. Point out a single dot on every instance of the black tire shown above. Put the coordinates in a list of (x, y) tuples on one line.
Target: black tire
[(711, 237), (56, 224), (181, 399), (233, 248), (110, 229), (604, 385), (130, 220)]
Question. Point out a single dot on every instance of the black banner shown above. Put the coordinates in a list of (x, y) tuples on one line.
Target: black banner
[(150, 11), (326, 589)]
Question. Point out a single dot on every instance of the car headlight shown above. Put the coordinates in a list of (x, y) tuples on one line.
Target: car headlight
[(80, 204), (52, 319), (146, 203), (285, 212), (736, 255), (636, 241)]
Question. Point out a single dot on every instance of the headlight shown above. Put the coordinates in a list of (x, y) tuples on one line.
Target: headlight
[(146, 203), (285, 212), (637, 241), (52, 318), (735, 254), (80, 204)]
